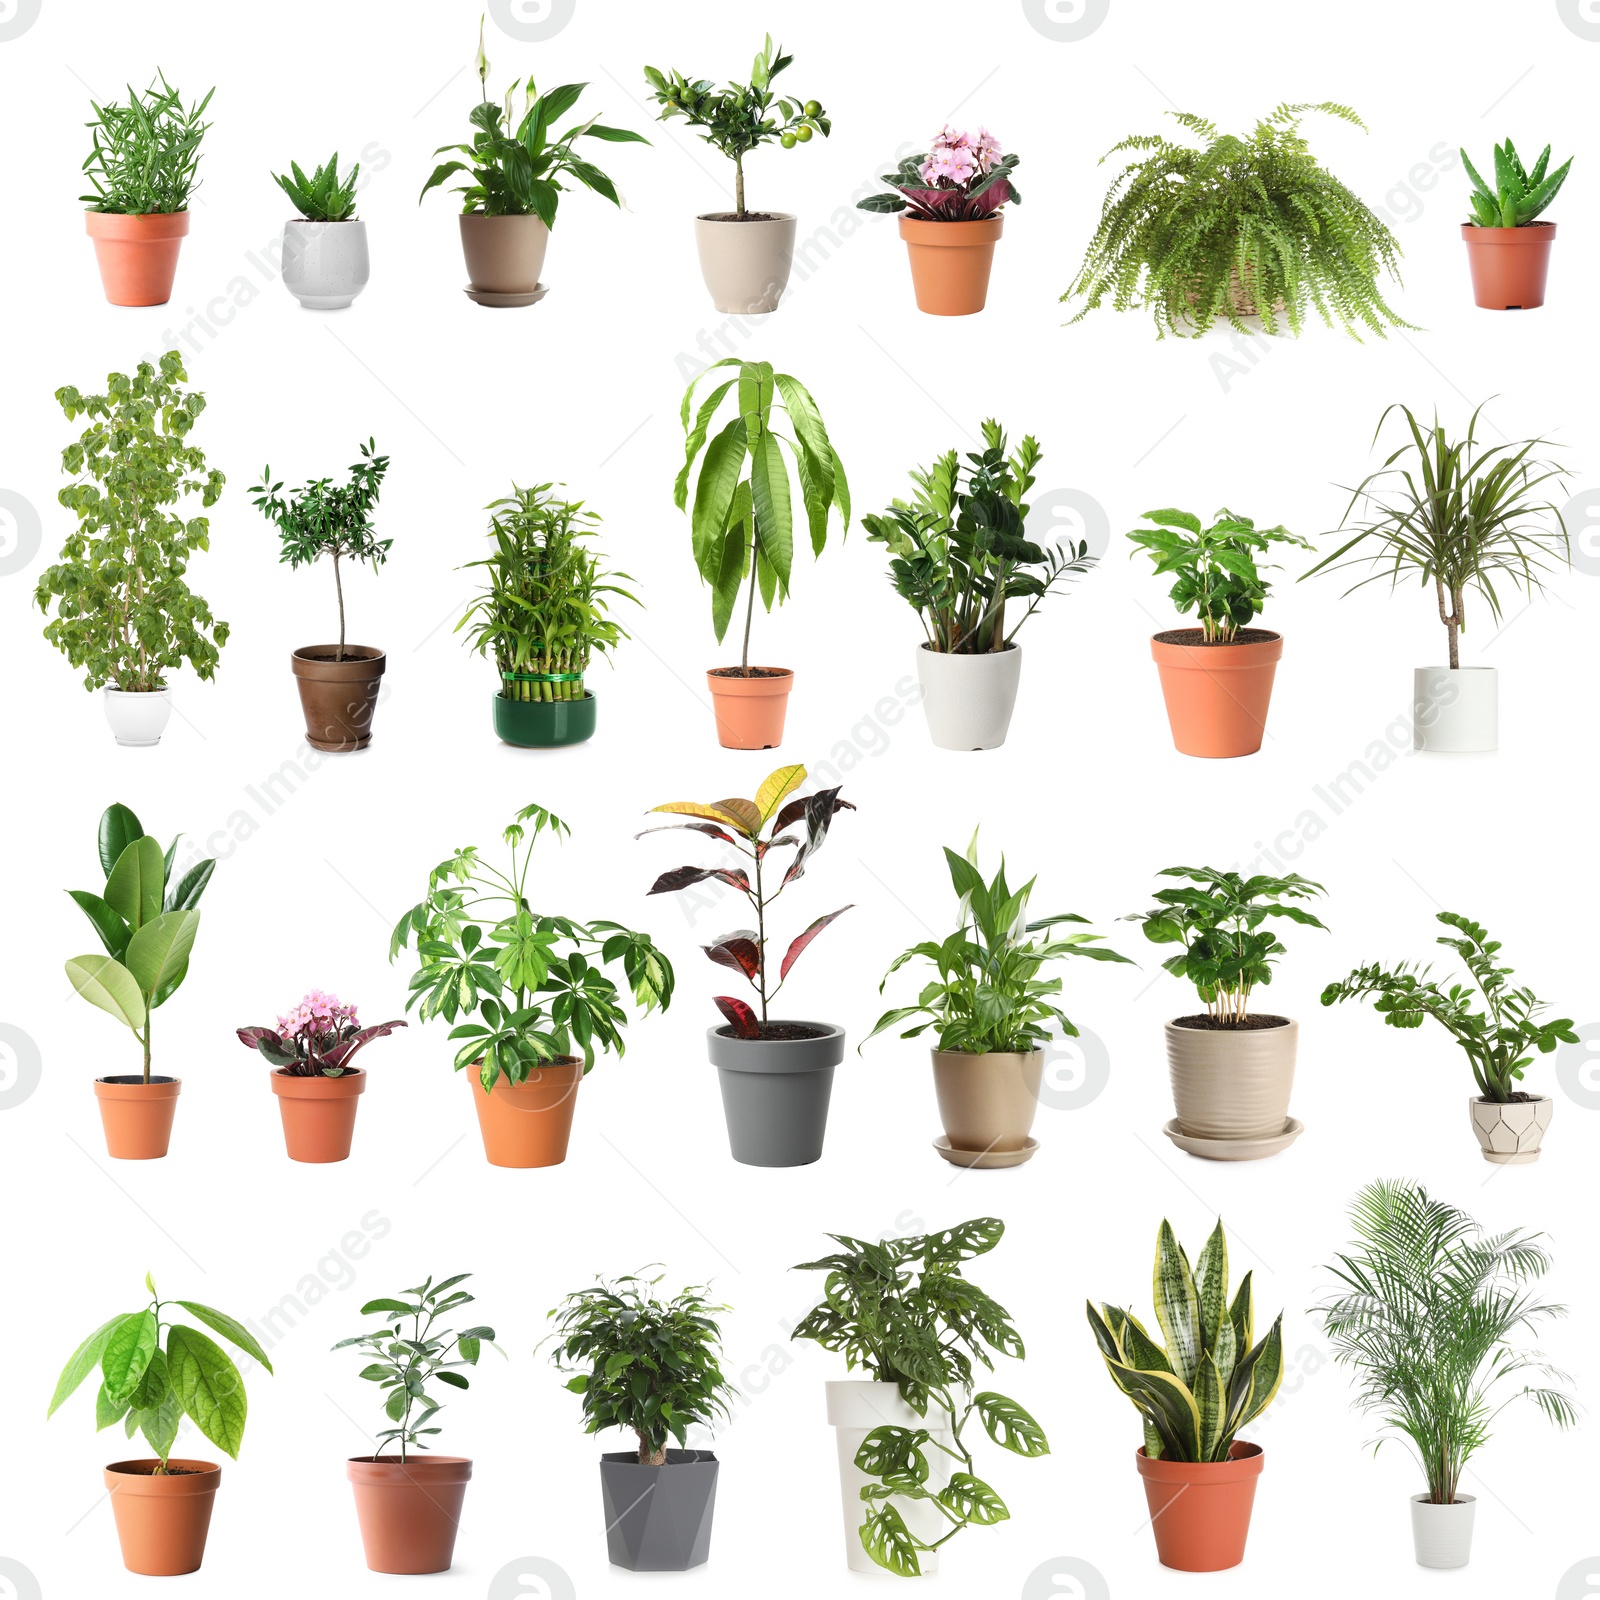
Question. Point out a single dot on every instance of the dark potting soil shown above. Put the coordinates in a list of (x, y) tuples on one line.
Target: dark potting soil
[(733, 216), (781, 1030), (150, 1472), (754, 672), (351, 653), (137, 1077), (1255, 1020), (1189, 637), (1520, 1097)]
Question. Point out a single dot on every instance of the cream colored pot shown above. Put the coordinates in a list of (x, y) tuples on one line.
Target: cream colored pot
[(987, 1102), (1510, 1134), (1232, 1083)]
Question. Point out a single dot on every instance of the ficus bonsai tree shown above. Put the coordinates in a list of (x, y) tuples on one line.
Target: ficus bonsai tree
[(410, 1351), (123, 609), (320, 1037), (755, 828), (155, 1371), (650, 1366), (146, 923), (904, 1312), (742, 523), (742, 116), (533, 979), (323, 518)]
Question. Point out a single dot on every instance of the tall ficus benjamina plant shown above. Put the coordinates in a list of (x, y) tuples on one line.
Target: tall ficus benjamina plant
[(742, 520)]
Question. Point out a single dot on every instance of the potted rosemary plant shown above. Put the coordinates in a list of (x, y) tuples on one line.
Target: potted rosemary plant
[(1508, 248), (325, 262)]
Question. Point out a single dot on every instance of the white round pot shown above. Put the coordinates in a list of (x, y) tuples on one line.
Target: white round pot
[(1442, 1535), (968, 699), (855, 1407), (745, 264), (325, 263), (138, 718), (1511, 1134), (1456, 709)]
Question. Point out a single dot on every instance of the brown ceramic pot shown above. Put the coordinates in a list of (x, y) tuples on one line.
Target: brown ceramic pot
[(137, 1116), (1509, 265), (750, 711), (409, 1510), (504, 255), (950, 263), (528, 1124), (1232, 1083), (162, 1518), (987, 1102), (338, 697), (319, 1114), (137, 256), (1217, 695)]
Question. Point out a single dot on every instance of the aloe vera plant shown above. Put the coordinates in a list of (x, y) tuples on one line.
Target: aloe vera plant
[(1518, 196), (1211, 1377)]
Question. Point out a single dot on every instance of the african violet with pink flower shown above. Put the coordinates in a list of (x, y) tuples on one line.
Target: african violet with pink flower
[(964, 178), (319, 1037)]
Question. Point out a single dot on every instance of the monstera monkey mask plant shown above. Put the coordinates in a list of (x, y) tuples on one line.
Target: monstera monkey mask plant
[(1209, 1378), (155, 1372), (1508, 248), (147, 924), (904, 1312), (743, 525)]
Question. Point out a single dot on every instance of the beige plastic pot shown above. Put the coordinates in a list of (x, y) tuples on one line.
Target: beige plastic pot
[(745, 264), (987, 1102), (1231, 1083), (504, 255)]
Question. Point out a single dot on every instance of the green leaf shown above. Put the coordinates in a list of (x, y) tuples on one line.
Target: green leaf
[(154, 1386), (713, 496), (208, 1387), (769, 494), (234, 1332), (1009, 1425), (134, 888), (885, 1537), (108, 924), (108, 1412), (186, 895), (109, 985), (160, 1426), (118, 829), (83, 1361), (159, 951), (973, 1500), (1177, 1305), (127, 1354)]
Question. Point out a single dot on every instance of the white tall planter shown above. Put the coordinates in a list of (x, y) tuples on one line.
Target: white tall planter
[(135, 718), (325, 263), (1456, 709), (968, 699), (855, 1407), (1442, 1535)]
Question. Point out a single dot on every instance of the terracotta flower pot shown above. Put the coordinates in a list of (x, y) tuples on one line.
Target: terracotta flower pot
[(528, 1124), (1509, 265), (745, 264), (137, 256), (409, 1510), (1200, 1510), (987, 1102), (319, 1114), (1510, 1134), (750, 711), (504, 256), (950, 263), (162, 1519), (137, 1116), (1217, 694), (1231, 1083), (338, 697)]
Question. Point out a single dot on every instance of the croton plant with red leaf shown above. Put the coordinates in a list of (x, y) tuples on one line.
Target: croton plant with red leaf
[(318, 1038), (755, 828)]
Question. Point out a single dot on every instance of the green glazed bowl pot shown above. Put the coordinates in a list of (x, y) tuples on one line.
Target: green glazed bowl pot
[(544, 724)]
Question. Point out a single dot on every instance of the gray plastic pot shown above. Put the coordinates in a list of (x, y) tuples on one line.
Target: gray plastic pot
[(775, 1093), (658, 1519)]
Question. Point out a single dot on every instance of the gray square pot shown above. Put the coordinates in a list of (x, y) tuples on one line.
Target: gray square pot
[(775, 1093), (658, 1519)]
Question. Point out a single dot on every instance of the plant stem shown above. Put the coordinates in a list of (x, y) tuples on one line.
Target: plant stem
[(146, 1042), (750, 604), (738, 183), (339, 588), (761, 941)]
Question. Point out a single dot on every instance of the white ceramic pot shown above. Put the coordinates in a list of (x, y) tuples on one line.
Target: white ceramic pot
[(1456, 710), (325, 263), (138, 719), (1510, 1134), (745, 264), (1442, 1535), (855, 1407), (969, 699)]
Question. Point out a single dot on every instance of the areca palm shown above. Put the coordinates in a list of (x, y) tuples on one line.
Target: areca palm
[(1425, 1311)]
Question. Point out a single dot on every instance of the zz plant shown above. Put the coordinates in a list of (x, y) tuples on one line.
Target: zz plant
[(325, 196), (146, 154), (1210, 1376), (649, 1366), (904, 1312), (1517, 196), (155, 1371)]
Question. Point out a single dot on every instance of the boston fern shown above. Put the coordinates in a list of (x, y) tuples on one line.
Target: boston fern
[(1248, 226), (902, 1311)]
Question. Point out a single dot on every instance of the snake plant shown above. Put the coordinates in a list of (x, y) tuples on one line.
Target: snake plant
[(1210, 1379), (1518, 196)]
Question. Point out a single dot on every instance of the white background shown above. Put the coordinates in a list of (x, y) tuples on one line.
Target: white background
[(1088, 792)]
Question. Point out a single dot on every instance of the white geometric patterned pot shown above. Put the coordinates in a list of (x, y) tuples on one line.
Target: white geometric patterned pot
[(1510, 1134)]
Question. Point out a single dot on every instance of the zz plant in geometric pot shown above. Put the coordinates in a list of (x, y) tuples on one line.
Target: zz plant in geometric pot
[(993, 1013), (123, 610), (155, 1372), (1216, 679), (1232, 1068), (1209, 1378), (147, 924), (544, 613), (949, 200), (1423, 1312), (409, 1505), (1457, 514), (776, 1075), (311, 1051), (903, 1311), (651, 1367), (325, 248), (1498, 1041), (527, 990), (1508, 248), (743, 526), (745, 256), (958, 552), (338, 683), (142, 168)]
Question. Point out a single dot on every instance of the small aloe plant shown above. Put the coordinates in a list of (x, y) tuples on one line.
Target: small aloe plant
[(1517, 196), (1210, 1378), (324, 196)]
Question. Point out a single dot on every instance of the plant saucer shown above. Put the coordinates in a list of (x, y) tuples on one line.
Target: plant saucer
[(1235, 1149), (487, 297), (984, 1158)]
